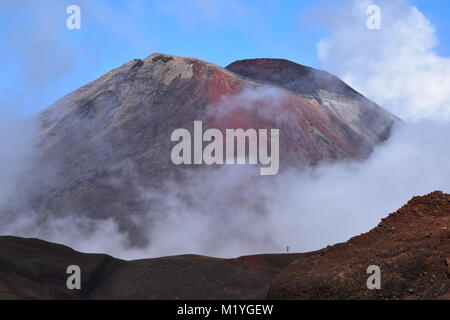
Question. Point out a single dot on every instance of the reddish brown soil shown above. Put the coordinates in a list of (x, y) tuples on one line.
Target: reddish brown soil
[(411, 246)]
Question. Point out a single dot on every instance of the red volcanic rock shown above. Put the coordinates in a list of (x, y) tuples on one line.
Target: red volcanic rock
[(411, 247), (326, 119)]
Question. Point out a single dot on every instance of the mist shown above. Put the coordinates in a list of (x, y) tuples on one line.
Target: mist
[(15, 145)]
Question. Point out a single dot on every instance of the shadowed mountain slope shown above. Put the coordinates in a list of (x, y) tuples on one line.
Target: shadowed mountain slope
[(35, 269)]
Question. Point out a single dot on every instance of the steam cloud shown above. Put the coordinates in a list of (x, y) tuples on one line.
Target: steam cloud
[(233, 211)]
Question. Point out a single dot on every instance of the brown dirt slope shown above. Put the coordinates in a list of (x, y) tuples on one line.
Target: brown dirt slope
[(411, 247)]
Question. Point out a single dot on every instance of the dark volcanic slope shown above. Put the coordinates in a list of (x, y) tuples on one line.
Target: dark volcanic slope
[(411, 246), (35, 269)]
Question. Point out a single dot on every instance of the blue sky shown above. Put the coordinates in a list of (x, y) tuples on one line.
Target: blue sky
[(438, 12), (41, 60)]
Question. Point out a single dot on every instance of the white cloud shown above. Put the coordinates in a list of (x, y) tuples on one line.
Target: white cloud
[(396, 66)]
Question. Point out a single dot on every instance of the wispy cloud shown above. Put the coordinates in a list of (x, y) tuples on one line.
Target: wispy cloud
[(396, 66)]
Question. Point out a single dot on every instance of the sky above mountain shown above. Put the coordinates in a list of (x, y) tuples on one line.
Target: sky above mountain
[(42, 60)]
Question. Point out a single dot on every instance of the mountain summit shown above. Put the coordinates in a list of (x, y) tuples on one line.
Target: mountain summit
[(291, 76), (104, 143)]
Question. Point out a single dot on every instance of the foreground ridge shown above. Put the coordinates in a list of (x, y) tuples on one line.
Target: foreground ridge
[(411, 247)]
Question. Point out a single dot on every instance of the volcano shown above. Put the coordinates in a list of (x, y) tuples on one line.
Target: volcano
[(100, 146)]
